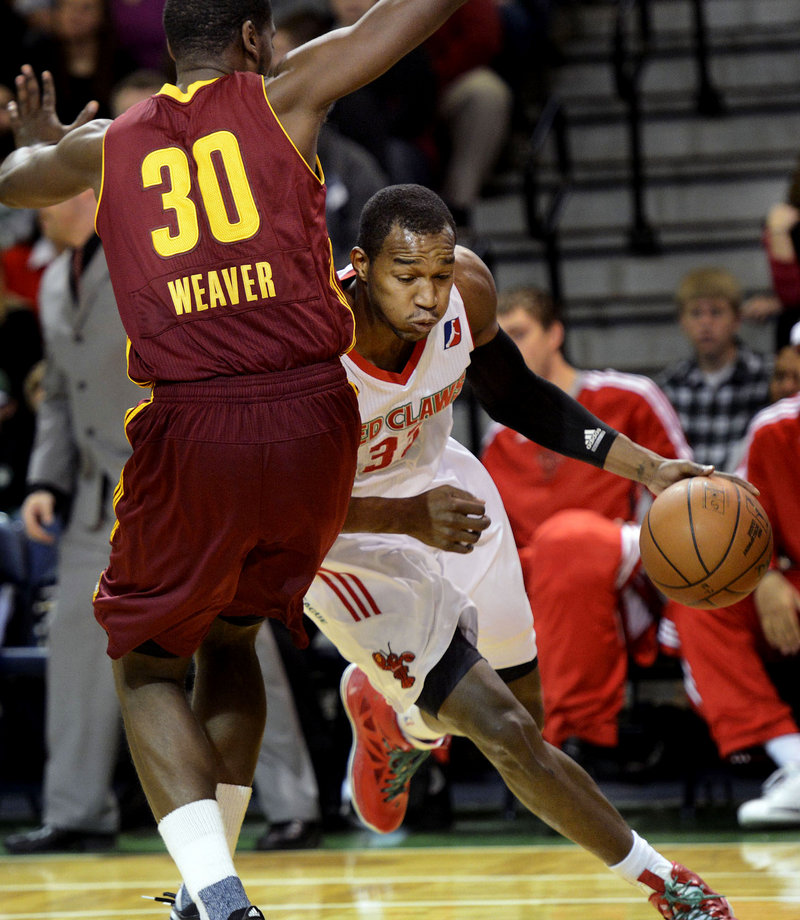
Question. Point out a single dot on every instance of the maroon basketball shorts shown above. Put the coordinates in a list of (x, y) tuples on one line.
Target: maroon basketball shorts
[(234, 492)]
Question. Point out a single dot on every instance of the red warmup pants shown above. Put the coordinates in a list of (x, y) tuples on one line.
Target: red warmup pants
[(571, 571), (727, 680)]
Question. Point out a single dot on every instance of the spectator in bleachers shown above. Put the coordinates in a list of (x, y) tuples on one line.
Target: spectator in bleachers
[(724, 383), (576, 531), (780, 238), (442, 115), (78, 454), (390, 116), (84, 56), (473, 104)]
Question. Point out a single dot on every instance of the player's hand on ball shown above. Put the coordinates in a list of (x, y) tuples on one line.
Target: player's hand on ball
[(671, 471), (447, 518), (778, 606)]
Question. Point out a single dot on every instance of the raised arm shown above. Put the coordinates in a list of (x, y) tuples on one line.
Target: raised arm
[(52, 162)]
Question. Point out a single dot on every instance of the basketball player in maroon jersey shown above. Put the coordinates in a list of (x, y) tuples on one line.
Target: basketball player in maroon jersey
[(212, 215)]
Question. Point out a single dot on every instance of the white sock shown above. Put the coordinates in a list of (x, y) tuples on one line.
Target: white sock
[(233, 802), (416, 732), (784, 749), (195, 839), (641, 861)]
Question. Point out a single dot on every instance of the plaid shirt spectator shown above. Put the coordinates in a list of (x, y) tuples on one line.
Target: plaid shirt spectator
[(715, 416)]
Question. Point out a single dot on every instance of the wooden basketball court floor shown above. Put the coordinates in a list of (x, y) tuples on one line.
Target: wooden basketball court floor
[(540, 882)]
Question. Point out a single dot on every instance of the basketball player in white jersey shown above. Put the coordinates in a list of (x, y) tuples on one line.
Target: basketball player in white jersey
[(423, 590)]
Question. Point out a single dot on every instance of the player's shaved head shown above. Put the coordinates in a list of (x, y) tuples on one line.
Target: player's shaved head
[(209, 26), (411, 207)]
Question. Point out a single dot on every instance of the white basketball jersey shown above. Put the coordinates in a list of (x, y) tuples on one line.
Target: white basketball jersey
[(406, 418), (383, 595)]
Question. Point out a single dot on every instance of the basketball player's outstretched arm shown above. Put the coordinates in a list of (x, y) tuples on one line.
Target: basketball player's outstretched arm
[(52, 161), (516, 397)]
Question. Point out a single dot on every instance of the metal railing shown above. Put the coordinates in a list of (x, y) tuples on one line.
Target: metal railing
[(542, 217), (632, 46), (630, 51)]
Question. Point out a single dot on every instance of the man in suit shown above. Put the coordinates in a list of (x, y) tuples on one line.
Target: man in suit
[(79, 451)]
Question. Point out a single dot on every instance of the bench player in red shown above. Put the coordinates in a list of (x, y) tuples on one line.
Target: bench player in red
[(577, 532)]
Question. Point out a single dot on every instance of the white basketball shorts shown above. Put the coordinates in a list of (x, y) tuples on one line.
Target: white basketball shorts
[(391, 603)]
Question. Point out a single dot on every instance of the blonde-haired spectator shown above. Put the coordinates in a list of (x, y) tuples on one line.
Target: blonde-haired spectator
[(724, 383)]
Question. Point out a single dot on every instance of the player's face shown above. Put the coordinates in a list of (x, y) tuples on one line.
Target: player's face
[(710, 324), (409, 281), (537, 345)]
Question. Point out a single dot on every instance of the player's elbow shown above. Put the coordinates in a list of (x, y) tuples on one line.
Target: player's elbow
[(11, 195)]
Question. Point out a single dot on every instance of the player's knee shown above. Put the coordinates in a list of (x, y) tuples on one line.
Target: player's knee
[(508, 737)]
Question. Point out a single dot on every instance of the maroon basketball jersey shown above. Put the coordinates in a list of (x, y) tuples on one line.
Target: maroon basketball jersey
[(214, 230)]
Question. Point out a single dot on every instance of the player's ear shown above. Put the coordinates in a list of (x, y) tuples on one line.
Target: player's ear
[(360, 262), (250, 39)]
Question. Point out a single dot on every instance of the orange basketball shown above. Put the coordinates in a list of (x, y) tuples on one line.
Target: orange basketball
[(706, 542)]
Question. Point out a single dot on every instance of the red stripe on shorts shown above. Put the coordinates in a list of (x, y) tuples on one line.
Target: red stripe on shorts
[(325, 574), (345, 579), (367, 595)]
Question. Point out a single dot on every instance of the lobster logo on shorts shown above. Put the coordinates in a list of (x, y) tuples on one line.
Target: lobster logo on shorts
[(389, 661)]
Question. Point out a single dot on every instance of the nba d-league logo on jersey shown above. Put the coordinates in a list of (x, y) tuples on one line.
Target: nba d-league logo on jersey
[(452, 332)]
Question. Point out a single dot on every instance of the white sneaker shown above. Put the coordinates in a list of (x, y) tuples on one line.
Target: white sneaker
[(779, 805)]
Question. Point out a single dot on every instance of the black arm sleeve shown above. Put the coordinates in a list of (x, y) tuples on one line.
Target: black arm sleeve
[(514, 396)]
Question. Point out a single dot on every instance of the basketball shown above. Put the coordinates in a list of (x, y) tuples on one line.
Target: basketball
[(706, 542)]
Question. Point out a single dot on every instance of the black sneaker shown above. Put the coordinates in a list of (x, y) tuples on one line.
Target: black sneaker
[(190, 912), (247, 913)]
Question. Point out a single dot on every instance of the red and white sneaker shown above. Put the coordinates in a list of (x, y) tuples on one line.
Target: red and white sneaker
[(685, 896), (381, 761)]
